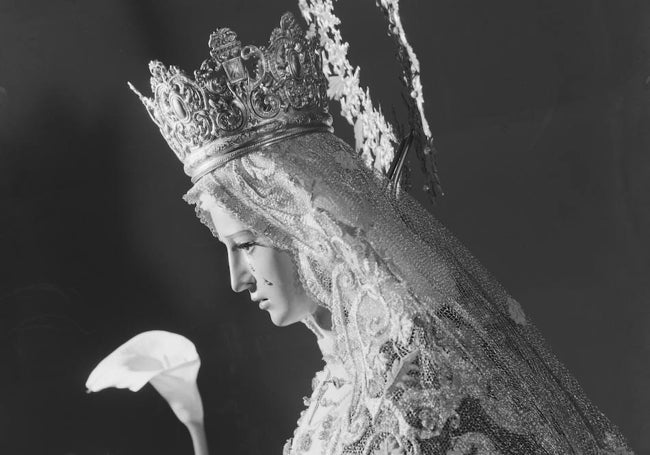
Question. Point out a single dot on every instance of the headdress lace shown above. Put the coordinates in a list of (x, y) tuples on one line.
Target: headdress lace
[(403, 292)]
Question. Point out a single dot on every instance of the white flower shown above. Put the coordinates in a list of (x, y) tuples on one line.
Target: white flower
[(167, 360)]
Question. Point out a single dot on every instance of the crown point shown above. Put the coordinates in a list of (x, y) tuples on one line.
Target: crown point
[(224, 45)]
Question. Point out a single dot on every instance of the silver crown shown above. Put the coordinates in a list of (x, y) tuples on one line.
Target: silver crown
[(241, 98)]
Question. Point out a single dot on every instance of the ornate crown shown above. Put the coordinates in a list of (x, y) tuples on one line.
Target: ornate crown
[(241, 98)]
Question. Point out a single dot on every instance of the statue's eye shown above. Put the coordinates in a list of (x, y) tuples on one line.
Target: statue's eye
[(246, 246)]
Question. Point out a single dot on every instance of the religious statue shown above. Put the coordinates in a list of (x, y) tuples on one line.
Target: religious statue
[(425, 352)]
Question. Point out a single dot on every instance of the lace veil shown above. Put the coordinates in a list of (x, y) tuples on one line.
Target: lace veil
[(401, 287)]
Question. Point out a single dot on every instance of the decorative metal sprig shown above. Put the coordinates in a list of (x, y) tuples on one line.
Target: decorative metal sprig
[(375, 140)]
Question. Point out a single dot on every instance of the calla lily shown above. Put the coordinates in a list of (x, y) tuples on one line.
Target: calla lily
[(170, 363)]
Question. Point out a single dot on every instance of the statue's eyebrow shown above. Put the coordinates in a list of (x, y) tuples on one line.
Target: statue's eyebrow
[(228, 237)]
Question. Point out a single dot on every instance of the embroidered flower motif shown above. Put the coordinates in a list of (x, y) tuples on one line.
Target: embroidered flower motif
[(358, 425), (305, 442), (428, 419), (454, 420), (326, 431)]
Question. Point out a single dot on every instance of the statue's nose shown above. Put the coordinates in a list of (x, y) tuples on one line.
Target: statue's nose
[(240, 275)]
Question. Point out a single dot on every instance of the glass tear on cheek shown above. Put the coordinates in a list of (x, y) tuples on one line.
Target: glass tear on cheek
[(267, 282)]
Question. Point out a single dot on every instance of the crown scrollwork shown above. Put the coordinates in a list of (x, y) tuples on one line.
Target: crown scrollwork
[(240, 97)]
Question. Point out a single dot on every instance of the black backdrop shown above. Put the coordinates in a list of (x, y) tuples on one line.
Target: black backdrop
[(541, 113)]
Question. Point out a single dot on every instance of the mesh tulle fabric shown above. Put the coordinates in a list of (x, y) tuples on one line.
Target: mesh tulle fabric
[(435, 356)]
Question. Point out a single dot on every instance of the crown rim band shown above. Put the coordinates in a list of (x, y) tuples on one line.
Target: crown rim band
[(265, 141)]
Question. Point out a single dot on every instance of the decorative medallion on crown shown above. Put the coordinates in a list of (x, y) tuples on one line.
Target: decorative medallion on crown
[(240, 98)]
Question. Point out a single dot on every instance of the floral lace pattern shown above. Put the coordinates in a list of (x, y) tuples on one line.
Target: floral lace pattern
[(428, 353)]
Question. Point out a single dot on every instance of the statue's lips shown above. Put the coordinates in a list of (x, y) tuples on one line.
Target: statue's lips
[(264, 304)]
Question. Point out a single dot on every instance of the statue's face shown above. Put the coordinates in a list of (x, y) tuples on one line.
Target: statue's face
[(268, 273)]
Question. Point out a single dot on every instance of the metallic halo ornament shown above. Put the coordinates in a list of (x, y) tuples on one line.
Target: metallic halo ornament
[(374, 136)]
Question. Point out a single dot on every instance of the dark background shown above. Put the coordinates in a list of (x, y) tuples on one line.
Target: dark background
[(541, 114)]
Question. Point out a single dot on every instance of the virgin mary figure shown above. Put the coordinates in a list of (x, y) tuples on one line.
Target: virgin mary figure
[(425, 352)]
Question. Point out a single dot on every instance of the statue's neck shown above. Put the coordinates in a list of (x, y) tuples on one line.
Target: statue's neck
[(320, 323)]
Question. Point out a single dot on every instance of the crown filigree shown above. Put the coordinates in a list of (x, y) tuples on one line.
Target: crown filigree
[(240, 98)]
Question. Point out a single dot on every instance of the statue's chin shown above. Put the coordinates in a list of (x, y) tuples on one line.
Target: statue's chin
[(281, 322), (287, 312), (282, 319)]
